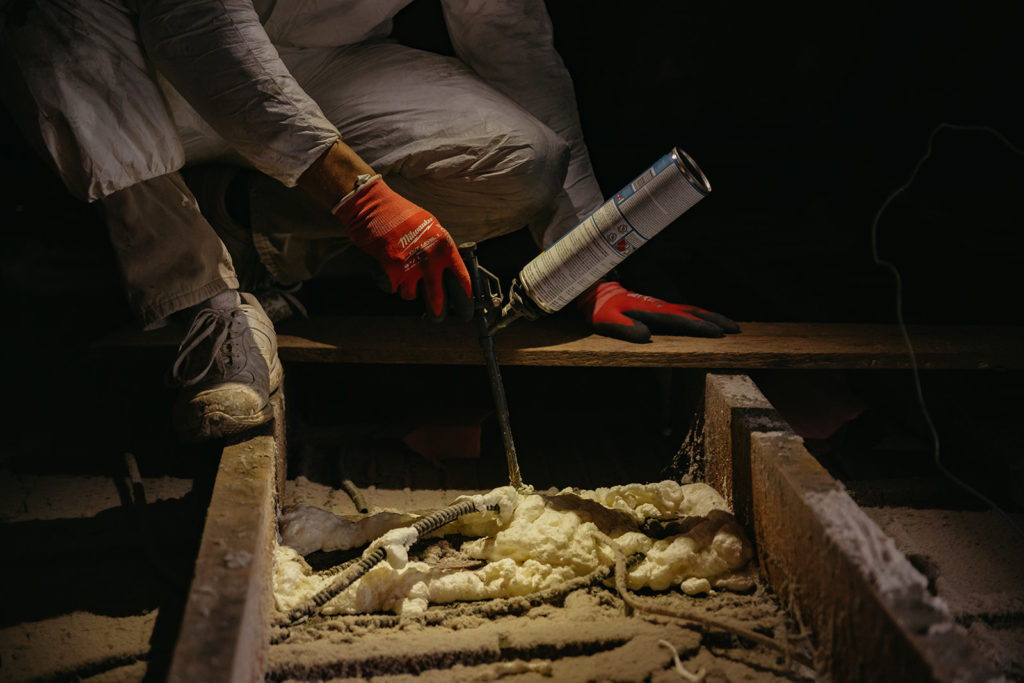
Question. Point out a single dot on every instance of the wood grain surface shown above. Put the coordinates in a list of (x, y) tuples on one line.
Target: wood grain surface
[(554, 342)]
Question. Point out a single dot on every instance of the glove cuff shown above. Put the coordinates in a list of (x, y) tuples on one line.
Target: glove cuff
[(362, 182), (597, 294)]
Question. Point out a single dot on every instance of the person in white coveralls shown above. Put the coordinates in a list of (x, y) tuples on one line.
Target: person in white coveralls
[(357, 140)]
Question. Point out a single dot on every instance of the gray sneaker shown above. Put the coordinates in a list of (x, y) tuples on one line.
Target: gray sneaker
[(228, 366)]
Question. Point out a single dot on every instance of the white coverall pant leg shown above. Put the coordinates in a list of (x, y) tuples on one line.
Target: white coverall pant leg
[(81, 88), (439, 135), (170, 257)]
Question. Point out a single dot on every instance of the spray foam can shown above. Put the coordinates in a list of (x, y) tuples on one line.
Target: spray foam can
[(615, 230)]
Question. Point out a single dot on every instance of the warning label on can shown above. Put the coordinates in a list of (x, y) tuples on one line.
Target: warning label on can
[(585, 249), (621, 225)]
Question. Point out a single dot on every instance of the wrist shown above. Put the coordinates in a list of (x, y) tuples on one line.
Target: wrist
[(334, 175)]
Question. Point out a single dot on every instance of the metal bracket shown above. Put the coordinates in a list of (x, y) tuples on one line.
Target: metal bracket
[(493, 298)]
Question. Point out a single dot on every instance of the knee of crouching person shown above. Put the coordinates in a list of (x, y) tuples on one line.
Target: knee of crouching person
[(538, 173)]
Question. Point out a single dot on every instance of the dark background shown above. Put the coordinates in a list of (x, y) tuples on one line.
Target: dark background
[(805, 122)]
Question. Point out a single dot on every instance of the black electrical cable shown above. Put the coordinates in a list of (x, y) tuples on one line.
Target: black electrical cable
[(891, 267)]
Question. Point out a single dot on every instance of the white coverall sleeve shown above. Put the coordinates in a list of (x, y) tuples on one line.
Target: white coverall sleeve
[(218, 56), (510, 44)]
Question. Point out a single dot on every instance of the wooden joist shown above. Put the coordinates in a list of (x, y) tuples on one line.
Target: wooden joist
[(868, 608), (225, 629), (561, 342)]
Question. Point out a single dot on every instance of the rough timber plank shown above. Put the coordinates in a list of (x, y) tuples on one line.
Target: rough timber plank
[(558, 341), (734, 408), (867, 606), (224, 633)]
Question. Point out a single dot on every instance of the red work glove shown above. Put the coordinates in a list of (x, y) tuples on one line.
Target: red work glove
[(417, 254), (614, 311)]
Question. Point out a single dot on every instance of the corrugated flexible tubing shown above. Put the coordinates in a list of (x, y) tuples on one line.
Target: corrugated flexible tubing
[(368, 561)]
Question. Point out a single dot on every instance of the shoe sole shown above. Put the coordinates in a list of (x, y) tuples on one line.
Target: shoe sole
[(217, 425)]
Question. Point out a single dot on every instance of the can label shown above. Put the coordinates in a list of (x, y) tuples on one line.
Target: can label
[(621, 225)]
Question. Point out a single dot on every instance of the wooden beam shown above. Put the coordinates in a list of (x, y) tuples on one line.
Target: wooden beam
[(563, 342), (225, 629), (734, 408), (867, 607)]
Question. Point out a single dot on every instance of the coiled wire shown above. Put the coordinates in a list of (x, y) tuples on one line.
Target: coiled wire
[(369, 560)]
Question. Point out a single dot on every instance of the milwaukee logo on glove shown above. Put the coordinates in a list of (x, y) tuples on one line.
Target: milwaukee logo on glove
[(413, 236), (416, 261), (419, 256)]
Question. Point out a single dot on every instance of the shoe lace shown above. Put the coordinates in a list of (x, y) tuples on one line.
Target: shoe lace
[(208, 323)]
